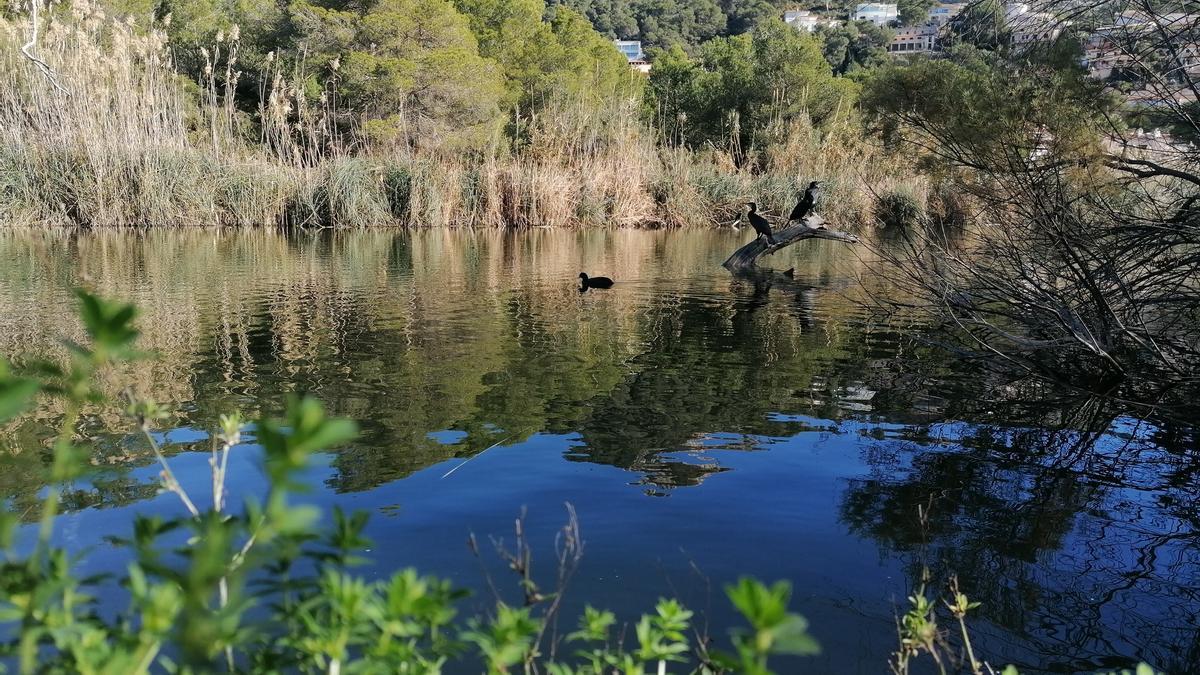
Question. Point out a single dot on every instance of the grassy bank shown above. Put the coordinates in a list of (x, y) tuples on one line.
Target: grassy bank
[(113, 136)]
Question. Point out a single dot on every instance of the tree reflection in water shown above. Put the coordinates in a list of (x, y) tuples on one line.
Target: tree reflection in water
[(1060, 530)]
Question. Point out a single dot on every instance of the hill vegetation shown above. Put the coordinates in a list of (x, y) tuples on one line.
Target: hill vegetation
[(413, 113)]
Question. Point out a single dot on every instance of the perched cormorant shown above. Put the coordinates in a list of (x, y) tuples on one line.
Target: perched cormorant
[(760, 224), (807, 200), (586, 282)]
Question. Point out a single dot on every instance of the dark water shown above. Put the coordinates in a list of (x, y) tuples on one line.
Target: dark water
[(702, 426)]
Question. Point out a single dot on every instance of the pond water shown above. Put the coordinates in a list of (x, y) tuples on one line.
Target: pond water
[(702, 426)]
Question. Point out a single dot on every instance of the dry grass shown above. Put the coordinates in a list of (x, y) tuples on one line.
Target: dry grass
[(129, 146)]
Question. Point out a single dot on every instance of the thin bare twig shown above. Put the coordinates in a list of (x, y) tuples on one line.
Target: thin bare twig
[(28, 47)]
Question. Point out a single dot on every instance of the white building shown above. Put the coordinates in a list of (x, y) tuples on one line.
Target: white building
[(1032, 27), (880, 14), (1111, 49), (632, 51), (940, 15), (802, 20), (913, 40), (1029, 27)]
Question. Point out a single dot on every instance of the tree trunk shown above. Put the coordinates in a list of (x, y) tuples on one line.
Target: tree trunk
[(812, 227)]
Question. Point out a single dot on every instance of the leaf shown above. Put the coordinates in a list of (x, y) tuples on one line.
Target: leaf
[(16, 393), (108, 323), (763, 607), (792, 637), (9, 522), (304, 430)]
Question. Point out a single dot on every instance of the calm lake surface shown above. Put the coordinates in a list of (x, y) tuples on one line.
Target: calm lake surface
[(703, 427)]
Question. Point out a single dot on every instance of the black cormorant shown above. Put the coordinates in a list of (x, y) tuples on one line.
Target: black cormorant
[(586, 282), (807, 200), (760, 224)]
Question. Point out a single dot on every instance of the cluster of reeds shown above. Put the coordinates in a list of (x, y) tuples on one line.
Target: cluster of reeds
[(108, 134)]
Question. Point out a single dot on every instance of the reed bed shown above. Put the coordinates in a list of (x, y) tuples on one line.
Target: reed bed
[(115, 137)]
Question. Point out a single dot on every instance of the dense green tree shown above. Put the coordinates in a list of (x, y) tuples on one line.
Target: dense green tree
[(743, 15), (194, 26), (657, 23), (141, 11), (665, 22), (743, 85), (854, 46), (611, 18), (410, 69), (589, 66), (674, 92), (914, 12), (421, 71), (987, 114), (981, 24), (542, 60), (513, 34)]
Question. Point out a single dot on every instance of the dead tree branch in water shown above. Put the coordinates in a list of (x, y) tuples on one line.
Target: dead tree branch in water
[(810, 228)]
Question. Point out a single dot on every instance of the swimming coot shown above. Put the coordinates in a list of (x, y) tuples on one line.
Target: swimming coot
[(587, 282)]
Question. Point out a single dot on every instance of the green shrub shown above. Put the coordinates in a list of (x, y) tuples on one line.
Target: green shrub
[(898, 210)]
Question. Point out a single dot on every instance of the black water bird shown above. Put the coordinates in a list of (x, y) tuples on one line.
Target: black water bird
[(760, 224), (586, 282), (807, 201)]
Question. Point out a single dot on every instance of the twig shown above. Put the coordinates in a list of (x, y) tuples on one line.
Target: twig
[(169, 480), (464, 463), (27, 48)]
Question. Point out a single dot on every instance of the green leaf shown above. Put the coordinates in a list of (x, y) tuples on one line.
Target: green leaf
[(9, 522), (108, 323), (304, 430), (16, 393), (763, 607), (792, 637)]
